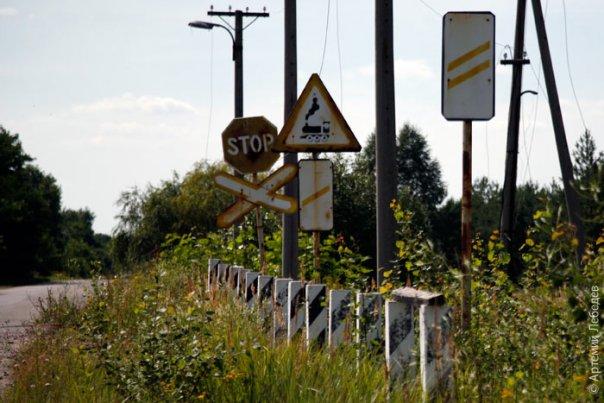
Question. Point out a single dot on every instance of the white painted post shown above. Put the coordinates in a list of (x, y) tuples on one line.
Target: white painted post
[(234, 277), (265, 295), (316, 314), (280, 308), (222, 271), (295, 308), (399, 338), (370, 319), (434, 347), (250, 287), (340, 308), (212, 272), (241, 283)]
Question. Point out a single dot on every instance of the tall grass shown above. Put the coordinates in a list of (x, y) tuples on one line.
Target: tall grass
[(157, 335)]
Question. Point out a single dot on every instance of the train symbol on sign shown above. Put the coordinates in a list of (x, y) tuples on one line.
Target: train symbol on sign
[(315, 124), (318, 129)]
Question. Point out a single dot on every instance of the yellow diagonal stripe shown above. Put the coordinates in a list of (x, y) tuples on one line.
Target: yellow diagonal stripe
[(455, 81), (315, 196), (467, 56)]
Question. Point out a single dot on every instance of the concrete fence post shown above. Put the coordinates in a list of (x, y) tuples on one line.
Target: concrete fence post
[(370, 319), (234, 277), (222, 273), (250, 287), (265, 295), (212, 273), (280, 308), (295, 308), (316, 314), (340, 320), (241, 283), (434, 347), (399, 338)]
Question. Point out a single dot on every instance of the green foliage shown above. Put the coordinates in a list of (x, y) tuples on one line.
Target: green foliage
[(417, 171), (175, 206), (589, 182), (339, 265), (30, 203), (529, 340), (36, 237), (84, 251)]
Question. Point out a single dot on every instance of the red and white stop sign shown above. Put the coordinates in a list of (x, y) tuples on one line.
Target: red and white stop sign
[(247, 142)]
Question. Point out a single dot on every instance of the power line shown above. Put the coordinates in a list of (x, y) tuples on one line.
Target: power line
[(325, 38), (430, 8), (570, 76), (536, 109)]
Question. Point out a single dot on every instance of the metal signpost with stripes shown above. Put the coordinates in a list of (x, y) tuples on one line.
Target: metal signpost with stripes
[(468, 94), (377, 325)]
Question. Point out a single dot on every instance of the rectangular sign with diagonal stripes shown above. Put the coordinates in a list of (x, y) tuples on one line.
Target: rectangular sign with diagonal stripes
[(316, 195), (468, 69)]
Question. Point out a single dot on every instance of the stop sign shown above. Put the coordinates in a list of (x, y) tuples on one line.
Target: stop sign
[(246, 144)]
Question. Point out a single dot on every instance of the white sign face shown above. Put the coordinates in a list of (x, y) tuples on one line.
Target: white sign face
[(316, 123), (468, 69), (316, 195)]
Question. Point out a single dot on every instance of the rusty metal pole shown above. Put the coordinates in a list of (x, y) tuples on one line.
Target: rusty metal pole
[(466, 228), (260, 234), (316, 237)]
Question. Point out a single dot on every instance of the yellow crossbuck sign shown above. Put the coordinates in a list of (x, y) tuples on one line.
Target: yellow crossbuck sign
[(251, 194)]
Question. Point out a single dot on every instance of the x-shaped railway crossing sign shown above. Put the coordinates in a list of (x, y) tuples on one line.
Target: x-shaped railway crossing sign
[(252, 194)]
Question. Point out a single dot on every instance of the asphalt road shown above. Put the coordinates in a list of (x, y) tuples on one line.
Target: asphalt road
[(18, 309)]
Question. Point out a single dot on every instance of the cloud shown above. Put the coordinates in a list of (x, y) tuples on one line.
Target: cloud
[(142, 104), (403, 69), (8, 12)]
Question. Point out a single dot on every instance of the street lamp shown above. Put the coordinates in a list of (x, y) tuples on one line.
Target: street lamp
[(237, 57), (210, 25)]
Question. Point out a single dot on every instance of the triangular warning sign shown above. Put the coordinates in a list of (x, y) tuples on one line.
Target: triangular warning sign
[(315, 124)]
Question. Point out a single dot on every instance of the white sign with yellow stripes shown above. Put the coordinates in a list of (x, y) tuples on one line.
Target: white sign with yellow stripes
[(468, 69), (316, 195)]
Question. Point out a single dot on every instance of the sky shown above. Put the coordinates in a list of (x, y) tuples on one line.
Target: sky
[(108, 95)]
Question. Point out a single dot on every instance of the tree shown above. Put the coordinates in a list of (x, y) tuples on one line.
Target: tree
[(354, 204), (84, 251), (589, 180), (187, 206), (30, 204)]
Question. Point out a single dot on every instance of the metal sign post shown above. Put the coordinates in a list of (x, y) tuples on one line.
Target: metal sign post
[(468, 93)]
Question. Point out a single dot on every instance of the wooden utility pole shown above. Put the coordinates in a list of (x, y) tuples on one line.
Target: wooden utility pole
[(511, 159), (385, 138), (466, 227), (566, 166), (289, 252), (237, 47)]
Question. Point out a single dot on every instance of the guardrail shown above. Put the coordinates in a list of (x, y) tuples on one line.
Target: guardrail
[(332, 317)]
